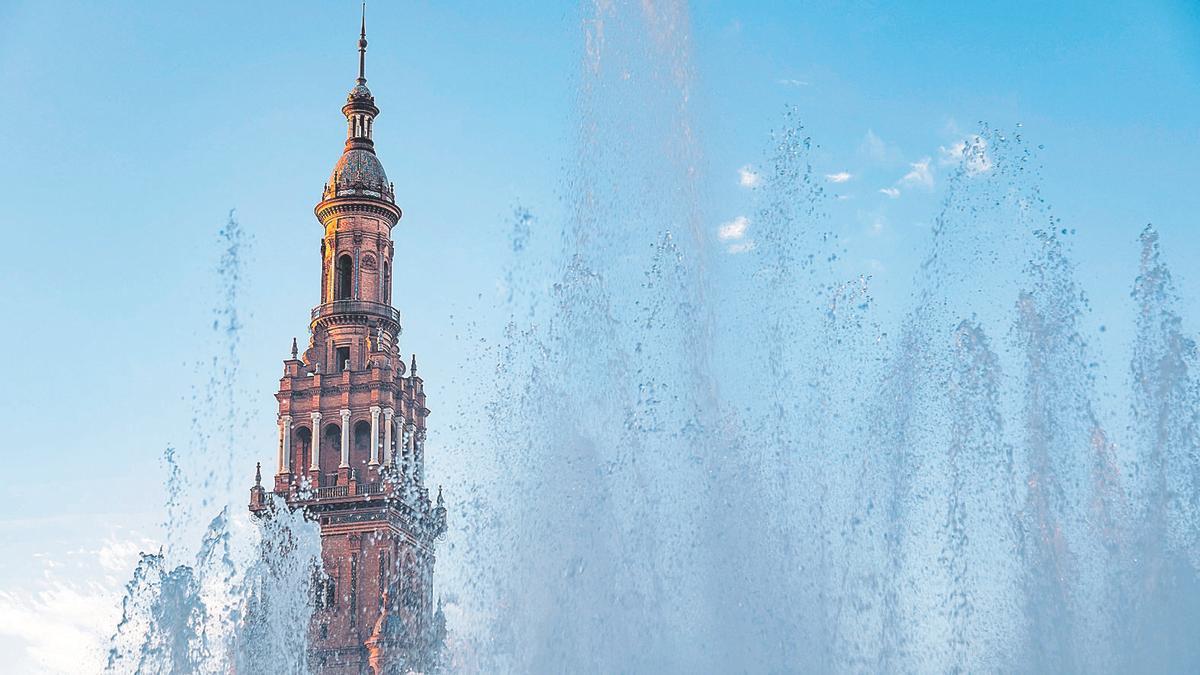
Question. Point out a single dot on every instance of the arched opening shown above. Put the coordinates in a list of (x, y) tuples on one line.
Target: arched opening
[(387, 283), (360, 449), (301, 457), (345, 275), (331, 454)]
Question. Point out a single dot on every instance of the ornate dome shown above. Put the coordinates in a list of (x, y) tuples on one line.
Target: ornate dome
[(360, 93), (359, 173)]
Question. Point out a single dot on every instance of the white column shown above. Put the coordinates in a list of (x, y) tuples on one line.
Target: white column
[(315, 465), (406, 465), (345, 439), (285, 442), (387, 435), (419, 458), (398, 456), (375, 410)]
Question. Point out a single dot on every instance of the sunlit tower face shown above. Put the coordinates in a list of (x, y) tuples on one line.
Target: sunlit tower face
[(352, 422)]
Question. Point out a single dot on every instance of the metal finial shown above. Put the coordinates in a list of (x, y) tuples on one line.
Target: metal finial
[(295, 349), (413, 369), (257, 474), (362, 48), (440, 501)]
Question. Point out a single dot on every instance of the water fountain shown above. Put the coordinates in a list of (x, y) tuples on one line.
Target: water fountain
[(756, 475), (762, 474)]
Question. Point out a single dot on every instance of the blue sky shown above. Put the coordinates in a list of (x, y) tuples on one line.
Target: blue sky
[(129, 130)]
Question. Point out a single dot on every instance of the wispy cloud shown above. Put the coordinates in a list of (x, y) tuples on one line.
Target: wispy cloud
[(734, 229), (875, 220), (891, 192), (733, 233), (748, 177), (792, 83), (878, 151), (970, 153), (872, 146), (952, 154), (839, 177), (919, 175), (62, 620)]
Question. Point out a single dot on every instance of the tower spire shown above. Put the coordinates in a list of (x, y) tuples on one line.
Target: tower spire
[(358, 173), (362, 48)]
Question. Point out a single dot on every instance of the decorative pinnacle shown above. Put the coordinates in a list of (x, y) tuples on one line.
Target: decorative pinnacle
[(362, 48), (441, 502), (258, 475), (295, 350), (413, 368)]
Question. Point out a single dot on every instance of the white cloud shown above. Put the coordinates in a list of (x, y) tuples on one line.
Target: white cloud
[(118, 556), (873, 146), (61, 619), (748, 177), (63, 626), (734, 229), (839, 177), (877, 151), (792, 83), (919, 175), (951, 155), (875, 220), (891, 192), (971, 153), (740, 247)]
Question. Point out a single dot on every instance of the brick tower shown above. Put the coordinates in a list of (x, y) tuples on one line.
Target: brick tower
[(352, 431)]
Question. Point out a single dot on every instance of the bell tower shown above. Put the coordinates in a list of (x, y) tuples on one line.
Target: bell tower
[(352, 430)]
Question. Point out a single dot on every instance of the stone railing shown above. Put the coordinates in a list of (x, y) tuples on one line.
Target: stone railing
[(333, 491), (360, 490), (356, 307), (368, 489)]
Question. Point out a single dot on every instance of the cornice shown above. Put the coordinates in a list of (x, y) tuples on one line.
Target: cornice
[(338, 206)]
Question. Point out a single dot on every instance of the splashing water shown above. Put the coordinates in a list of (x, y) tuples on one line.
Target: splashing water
[(754, 475), (685, 469), (235, 604)]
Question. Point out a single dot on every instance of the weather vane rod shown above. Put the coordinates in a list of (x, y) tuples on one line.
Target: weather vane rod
[(362, 47)]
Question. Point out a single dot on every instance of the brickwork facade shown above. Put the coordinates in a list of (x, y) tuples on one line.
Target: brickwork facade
[(352, 419)]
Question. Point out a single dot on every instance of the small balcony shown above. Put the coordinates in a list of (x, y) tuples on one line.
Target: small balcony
[(356, 307), (359, 490)]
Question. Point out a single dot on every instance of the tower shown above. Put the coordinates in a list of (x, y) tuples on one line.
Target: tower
[(352, 430)]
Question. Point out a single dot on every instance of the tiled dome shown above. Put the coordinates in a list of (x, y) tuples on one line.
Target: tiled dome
[(360, 93), (358, 172)]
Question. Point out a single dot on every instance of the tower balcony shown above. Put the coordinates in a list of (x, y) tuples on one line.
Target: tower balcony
[(385, 498), (356, 307)]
